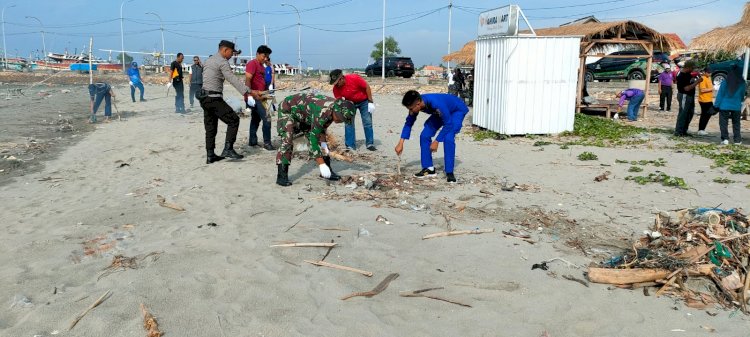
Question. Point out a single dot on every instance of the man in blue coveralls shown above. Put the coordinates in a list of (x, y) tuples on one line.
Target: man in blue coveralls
[(446, 112)]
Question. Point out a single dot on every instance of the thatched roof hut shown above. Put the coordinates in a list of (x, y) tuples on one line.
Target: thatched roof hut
[(734, 38), (626, 30)]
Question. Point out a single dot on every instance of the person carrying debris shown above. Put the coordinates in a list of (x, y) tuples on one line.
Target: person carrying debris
[(447, 113), (134, 75), (255, 79), (635, 96), (175, 80), (101, 91), (215, 71), (729, 104), (686, 83), (354, 88), (314, 113)]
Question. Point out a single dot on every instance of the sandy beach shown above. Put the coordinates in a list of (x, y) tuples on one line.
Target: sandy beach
[(210, 270)]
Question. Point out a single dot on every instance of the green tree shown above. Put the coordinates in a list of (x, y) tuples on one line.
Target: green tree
[(128, 58), (391, 48)]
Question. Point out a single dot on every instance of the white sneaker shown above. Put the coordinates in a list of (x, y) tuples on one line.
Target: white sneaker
[(724, 142), (702, 133), (738, 143), (616, 116)]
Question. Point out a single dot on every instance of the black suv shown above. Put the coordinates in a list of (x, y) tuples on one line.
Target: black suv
[(394, 66), (625, 68)]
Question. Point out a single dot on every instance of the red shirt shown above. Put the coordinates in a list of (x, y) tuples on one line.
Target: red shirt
[(354, 89), (258, 82)]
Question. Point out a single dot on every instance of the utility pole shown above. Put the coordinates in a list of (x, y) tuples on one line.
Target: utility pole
[(44, 45), (382, 70), (161, 27), (5, 48), (250, 25), (299, 38), (450, 16), (122, 35)]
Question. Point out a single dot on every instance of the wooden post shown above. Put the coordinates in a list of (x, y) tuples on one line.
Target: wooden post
[(650, 50), (581, 79)]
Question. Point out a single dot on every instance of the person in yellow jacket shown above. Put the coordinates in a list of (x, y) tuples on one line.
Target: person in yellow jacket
[(705, 100)]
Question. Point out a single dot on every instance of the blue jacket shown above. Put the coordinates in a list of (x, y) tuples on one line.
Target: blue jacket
[(134, 75), (444, 105), (733, 102)]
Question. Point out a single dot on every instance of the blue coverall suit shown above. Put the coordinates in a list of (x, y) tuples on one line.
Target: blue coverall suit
[(446, 111)]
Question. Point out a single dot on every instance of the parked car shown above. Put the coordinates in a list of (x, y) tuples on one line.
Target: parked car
[(394, 66), (625, 68), (719, 70)]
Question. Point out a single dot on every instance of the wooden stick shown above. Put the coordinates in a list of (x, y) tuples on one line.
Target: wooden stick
[(163, 203), (452, 233), (625, 276), (92, 306), (322, 263), (420, 293), (306, 244), (377, 290), (671, 277)]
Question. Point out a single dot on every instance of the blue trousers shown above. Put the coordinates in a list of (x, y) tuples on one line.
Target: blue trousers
[(259, 114), (634, 105), (138, 85), (179, 97), (350, 138), (107, 103), (431, 127)]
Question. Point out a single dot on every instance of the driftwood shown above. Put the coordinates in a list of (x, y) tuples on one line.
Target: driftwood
[(377, 290), (637, 275), (149, 323), (307, 244), (340, 157), (163, 203), (91, 307), (452, 233), (421, 293), (322, 263)]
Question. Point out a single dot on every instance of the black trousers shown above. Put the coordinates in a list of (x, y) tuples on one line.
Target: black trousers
[(215, 109), (706, 108), (724, 117), (665, 97)]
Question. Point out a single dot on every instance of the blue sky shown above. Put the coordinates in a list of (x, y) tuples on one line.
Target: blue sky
[(335, 33)]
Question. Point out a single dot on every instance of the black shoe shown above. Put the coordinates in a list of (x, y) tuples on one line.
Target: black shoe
[(212, 157), (451, 177), (269, 147), (230, 153), (334, 176), (143, 99), (372, 148), (282, 177), (425, 173), (251, 144)]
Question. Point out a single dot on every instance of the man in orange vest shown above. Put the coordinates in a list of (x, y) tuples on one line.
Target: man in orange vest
[(175, 80)]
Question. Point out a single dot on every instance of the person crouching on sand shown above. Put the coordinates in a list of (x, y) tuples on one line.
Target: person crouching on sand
[(100, 91), (635, 96)]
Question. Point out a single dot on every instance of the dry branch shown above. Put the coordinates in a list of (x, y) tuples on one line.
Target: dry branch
[(420, 293), (307, 244), (377, 290), (92, 306), (322, 263), (452, 233), (163, 203), (149, 323)]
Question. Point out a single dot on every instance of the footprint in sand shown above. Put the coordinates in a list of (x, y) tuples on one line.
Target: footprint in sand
[(205, 278)]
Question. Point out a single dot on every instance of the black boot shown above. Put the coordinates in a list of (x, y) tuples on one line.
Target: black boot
[(230, 153), (212, 157), (334, 176), (282, 178)]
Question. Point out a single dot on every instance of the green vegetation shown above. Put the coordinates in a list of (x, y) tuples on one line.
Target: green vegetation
[(659, 162), (659, 177), (564, 146), (721, 180), (586, 155), (542, 143), (481, 135), (602, 132), (635, 169), (736, 158)]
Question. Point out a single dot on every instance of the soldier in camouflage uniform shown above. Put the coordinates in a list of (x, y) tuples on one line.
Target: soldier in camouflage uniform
[(316, 113)]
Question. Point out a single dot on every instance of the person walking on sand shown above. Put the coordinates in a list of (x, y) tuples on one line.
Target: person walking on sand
[(686, 83), (100, 91), (635, 96), (666, 81), (447, 113), (196, 78), (729, 104), (316, 113), (354, 88), (255, 79), (705, 100), (135, 81), (175, 80), (215, 71)]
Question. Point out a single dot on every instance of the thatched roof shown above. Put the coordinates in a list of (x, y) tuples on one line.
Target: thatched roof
[(463, 56), (628, 30), (732, 38)]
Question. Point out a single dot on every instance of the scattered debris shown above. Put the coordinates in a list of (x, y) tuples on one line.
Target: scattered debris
[(453, 233), (322, 263), (575, 279), (150, 324), (91, 307), (659, 177), (603, 176), (123, 165), (523, 235), (542, 266), (586, 155), (21, 301), (484, 191), (421, 293), (163, 203), (303, 244), (122, 262), (381, 218), (210, 224), (377, 290)]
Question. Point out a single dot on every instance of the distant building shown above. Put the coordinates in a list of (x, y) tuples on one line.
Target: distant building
[(432, 71), (584, 20), (678, 46)]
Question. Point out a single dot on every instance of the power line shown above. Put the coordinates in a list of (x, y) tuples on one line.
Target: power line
[(545, 8), (378, 20), (592, 12), (376, 28), (666, 12), (333, 4)]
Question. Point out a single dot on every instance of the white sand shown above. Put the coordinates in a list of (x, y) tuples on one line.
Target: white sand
[(226, 281)]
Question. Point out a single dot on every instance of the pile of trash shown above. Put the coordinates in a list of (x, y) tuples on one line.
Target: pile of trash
[(699, 254)]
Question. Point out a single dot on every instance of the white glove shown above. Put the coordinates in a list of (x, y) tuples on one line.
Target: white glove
[(169, 85), (325, 172), (131, 83), (270, 87), (250, 101), (371, 107), (324, 147)]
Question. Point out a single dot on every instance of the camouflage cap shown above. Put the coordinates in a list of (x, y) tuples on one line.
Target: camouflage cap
[(343, 108)]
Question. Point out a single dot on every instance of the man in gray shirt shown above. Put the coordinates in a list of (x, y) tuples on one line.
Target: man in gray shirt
[(196, 78), (215, 71)]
